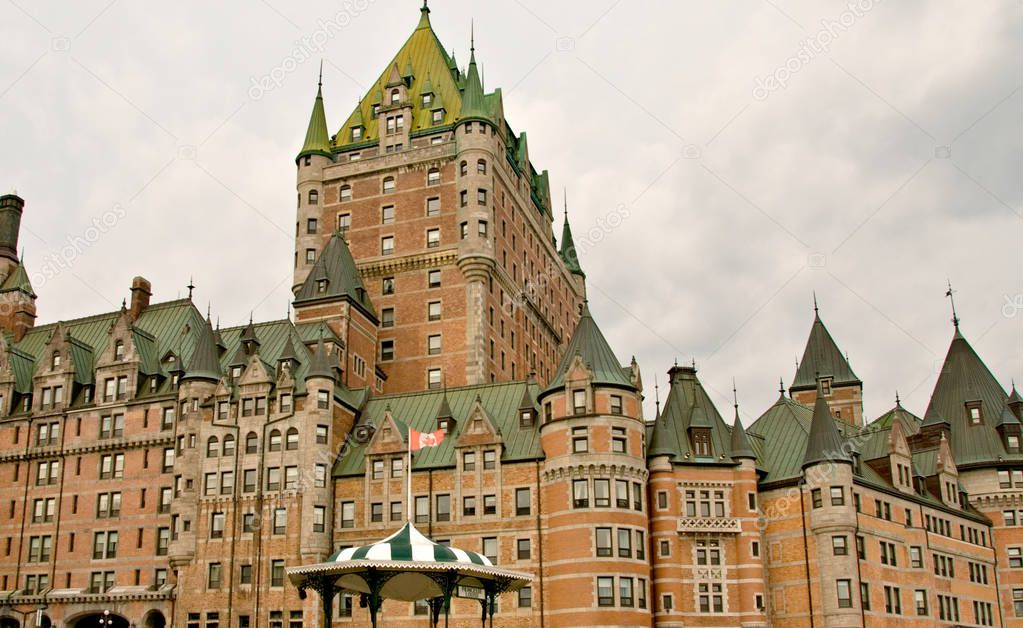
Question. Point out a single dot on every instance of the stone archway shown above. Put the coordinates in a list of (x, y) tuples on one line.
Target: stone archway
[(9, 622), (154, 619), (91, 620)]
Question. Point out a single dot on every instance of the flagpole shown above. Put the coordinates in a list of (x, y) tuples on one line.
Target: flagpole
[(408, 481)]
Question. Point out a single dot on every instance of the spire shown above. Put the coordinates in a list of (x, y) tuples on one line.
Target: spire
[(951, 297), (568, 253), (590, 345), (322, 364), (473, 99), (740, 446), (444, 410), (205, 363), (18, 280), (822, 358), (249, 339), (824, 443), (317, 138), (424, 16)]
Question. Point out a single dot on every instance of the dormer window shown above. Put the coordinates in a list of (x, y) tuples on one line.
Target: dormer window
[(321, 285), (437, 116), (119, 350), (445, 424), (701, 442), (356, 133), (1012, 444), (826, 386), (376, 110), (974, 412), (395, 96), (55, 360), (427, 100), (579, 401), (527, 418)]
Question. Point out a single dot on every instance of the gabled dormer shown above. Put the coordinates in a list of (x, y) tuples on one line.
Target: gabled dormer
[(478, 429), (445, 419), (58, 368), (947, 476), (900, 459), (389, 438)]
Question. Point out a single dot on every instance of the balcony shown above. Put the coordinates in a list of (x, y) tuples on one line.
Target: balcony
[(708, 525)]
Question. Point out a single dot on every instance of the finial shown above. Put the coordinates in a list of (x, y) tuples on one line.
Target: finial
[(692, 361), (898, 402), (676, 360), (566, 203), (951, 297), (735, 397), (250, 317), (191, 287), (781, 386), (320, 82), (218, 323), (425, 8), (657, 397), (124, 303), (208, 310), (472, 36), (816, 311)]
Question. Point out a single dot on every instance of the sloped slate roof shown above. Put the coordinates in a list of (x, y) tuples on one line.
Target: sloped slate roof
[(18, 280), (822, 358), (686, 406), (589, 343), (419, 411), (825, 443), (336, 266), (910, 422), (965, 378)]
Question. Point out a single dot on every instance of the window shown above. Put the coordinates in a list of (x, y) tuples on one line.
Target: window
[(711, 597), (433, 311), (490, 459), (356, 133), (274, 443), (974, 412), (602, 493), (433, 207), (701, 442), (481, 166), (112, 465), (916, 559), (433, 279), (481, 229), (708, 552), (443, 508), (251, 443), (433, 176), (344, 223), (665, 548), (826, 386), (291, 440), (388, 185), (217, 525), (490, 548), (310, 256), (162, 541), (277, 573), (55, 360), (280, 520), (618, 440), (605, 591), (837, 496), (888, 556), (436, 117), (481, 196), (522, 502), (1017, 602), (1015, 557), (844, 589), (815, 498), (621, 494), (892, 600), (387, 285), (432, 238), (386, 350), (490, 504), (581, 494), (314, 199), (345, 193), (387, 245), (624, 543), (602, 540), (422, 509), (580, 440), (839, 545)]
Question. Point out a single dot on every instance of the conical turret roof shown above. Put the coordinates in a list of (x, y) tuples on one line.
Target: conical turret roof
[(18, 280), (322, 364), (824, 443), (822, 358), (336, 267), (317, 137), (740, 445), (205, 362), (568, 251), (474, 104), (589, 343)]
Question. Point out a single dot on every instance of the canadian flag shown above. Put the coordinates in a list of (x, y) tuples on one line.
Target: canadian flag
[(418, 440)]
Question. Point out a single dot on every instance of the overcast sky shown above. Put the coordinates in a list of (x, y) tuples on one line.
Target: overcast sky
[(758, 150)]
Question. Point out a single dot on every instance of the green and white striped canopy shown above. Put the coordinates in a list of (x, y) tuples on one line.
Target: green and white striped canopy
[(410, 567)]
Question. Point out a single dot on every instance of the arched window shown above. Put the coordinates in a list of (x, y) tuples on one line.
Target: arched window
[(395, 96), (275, 441), (229, 445), (345, 193), (55, 361), (291, 443), (433, 177), (119, 350), (463, 168), (314, 197), (251, 443), (481, 166), (388, 185), (212, 447)]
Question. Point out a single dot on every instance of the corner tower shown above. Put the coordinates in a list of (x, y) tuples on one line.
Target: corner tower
[(825, 370), (17, 298), (593, 488), (312, 159)]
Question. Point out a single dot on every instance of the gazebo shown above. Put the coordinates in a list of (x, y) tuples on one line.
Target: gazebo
[(408, 566)]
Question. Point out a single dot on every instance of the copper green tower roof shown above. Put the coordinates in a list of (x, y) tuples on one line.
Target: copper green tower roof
[(18, 280), (589, 343), (822, 358), (568, 252), (824, 443), (335, 275), (205, 362), (473, 100), (317, 138)]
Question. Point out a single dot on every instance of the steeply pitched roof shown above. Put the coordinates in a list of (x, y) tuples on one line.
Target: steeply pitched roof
[(824, 443), (317, 138), (740, 445), (568, 251), (910, 422), (822, 358), (964, 378), (336, 266), (473, 101), (419, 411), (205, 362), (686, 407), (18, 280), (589, 343), (323, 363)]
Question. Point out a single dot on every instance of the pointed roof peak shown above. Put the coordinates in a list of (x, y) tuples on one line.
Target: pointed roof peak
[(824, 443), (740, 446), (322, 364), (424, 15), (589, 343), (335, 266), (568, 252), (317, 137), (822, 358), (205, 362)]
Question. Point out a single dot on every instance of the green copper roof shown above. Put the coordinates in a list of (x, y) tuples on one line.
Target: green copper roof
[(473, 101), (822, 358), (18, 280), (688, 407), (965, 379), (205, 362), (589, 343), (317, 138), (740, 445), (910, 422), (568, 252), (824, 443), (336, 267), (323, 364), (420, 411)]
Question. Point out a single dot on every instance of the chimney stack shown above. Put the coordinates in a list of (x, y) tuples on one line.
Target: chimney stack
[(141, 290), (11, 206)]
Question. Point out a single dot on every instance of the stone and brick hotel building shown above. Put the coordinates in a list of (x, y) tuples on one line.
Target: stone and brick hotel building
[(156, 470)]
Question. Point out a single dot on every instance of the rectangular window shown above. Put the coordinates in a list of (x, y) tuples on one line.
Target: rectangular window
[(605, 591), (489, 459), (490, 504), (579, 401), (443, 508), (432, 238), (386, 350), (490, 548), (839, 545), (277, 573), (602, 539), (837, 496), (619, 443), (387, 245), (844, 589), (602, 493), (387, 215), (433, 346), (387, 317), (433, 311), (523, 549), (580, 440), (581, 494), (624, 543), (433, 207), (815, 498), (422, 509), (433, 279), (522, 502), (469, 506)]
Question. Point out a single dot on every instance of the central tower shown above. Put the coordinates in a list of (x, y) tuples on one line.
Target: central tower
[(448, 222)]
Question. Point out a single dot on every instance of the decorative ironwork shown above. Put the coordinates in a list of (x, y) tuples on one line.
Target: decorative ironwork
[(709, 525)]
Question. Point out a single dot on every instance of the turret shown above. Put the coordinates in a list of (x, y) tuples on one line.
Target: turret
[(11, 207), (312, 159), (825, 370), (17, 299)]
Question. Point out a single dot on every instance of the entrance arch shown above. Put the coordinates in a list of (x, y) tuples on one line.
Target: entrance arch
[(9, 622), (91, 620), (154, 619)]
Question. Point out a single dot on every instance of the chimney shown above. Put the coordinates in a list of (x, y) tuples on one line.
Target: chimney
[(11, 206), (141, 290)]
